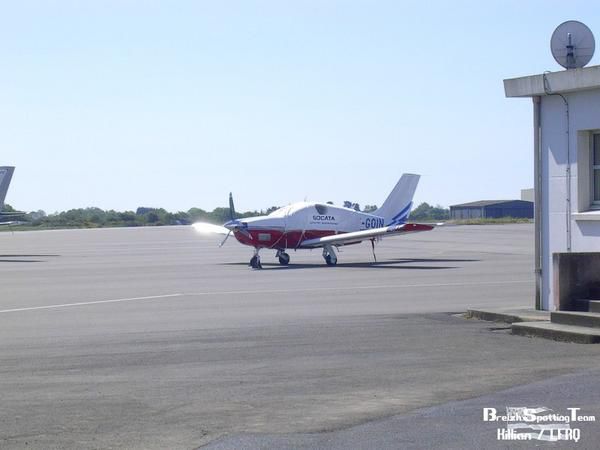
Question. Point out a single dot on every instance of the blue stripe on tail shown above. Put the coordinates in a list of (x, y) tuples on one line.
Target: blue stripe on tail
[(401, 217)]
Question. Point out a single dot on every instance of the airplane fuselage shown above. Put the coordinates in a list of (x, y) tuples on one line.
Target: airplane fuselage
[(290, 226)]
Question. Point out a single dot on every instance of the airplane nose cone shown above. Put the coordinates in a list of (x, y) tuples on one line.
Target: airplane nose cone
[(232, 224)]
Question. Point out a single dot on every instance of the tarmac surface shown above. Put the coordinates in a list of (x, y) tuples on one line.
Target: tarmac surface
[(157, 338)]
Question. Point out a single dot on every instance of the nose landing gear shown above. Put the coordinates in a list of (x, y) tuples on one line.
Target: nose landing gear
[(255, 260)]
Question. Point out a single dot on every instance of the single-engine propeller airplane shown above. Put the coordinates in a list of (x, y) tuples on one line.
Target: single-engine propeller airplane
[(318, 225)]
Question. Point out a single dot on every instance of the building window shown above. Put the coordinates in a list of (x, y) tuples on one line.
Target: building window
[(596, 170)]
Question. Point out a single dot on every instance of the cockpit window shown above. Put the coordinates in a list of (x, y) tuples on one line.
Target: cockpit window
[(321, 209)]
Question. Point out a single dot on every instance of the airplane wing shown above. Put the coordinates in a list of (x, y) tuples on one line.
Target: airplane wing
[(358, 236), (14, 222)]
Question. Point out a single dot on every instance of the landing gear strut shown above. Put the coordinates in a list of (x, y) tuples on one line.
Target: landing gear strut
[(284, 258), (255, 260), (329, 255)]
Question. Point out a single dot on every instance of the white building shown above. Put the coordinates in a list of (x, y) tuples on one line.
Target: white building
[(566, 113), (528, 195)]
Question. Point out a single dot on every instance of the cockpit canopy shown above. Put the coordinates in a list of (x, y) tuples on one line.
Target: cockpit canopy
[(281, 212), (295, 207)]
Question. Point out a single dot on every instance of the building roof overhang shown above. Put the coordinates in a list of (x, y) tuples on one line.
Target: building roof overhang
[(565, 81)]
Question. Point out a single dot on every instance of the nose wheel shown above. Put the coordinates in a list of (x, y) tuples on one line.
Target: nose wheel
[(284, 258), (255, 260), (329, 255)]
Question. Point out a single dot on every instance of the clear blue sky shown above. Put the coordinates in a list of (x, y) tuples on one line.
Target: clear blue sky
[(120, 104)]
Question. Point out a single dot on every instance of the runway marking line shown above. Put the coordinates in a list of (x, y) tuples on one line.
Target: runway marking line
[(96, 302), (263, 291)]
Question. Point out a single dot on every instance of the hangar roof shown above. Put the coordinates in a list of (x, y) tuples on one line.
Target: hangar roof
[(482, 203)]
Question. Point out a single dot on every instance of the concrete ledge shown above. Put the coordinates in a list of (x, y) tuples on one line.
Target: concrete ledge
[(575, 318), (572, 80), (557, 332), (588, 215), (508, 315)]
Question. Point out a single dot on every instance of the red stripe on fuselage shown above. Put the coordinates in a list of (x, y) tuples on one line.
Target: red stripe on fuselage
[(278, 239)]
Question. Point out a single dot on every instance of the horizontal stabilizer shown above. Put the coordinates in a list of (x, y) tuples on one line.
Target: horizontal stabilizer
[(358, 236)]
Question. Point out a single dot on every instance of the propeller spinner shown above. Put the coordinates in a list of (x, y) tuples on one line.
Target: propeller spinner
[(229, 227)]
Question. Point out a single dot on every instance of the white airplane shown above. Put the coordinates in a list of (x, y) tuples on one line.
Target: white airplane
[(6, 173), (318, 225)]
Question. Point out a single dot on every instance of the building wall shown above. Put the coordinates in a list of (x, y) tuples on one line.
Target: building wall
[(584, 112), (465, 213), (528, 195), (506, 209), (517, 209)]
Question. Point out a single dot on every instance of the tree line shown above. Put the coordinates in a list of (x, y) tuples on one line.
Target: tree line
[(144, 216)]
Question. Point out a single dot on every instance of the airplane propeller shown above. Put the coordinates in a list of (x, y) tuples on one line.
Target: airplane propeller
[(229, 227), (231, 218), (225, 240), (209, 228), (231, 208)]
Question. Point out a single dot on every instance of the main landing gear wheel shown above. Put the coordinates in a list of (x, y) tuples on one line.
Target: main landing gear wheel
[(329, 255), (284, 258)]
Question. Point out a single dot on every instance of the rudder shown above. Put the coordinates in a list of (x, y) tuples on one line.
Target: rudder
[(6, 173), (397, 206)]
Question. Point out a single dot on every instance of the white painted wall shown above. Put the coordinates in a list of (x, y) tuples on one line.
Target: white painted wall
[(528, 195), (584, 108)]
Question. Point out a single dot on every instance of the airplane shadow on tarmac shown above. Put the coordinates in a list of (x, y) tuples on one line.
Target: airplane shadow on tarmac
[(387, 264), (2, 260)]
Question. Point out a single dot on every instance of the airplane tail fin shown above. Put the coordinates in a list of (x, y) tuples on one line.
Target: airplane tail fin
[(396, 208), (6, 173)]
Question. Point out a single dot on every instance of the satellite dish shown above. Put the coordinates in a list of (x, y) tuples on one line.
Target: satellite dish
[(572, 44)]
